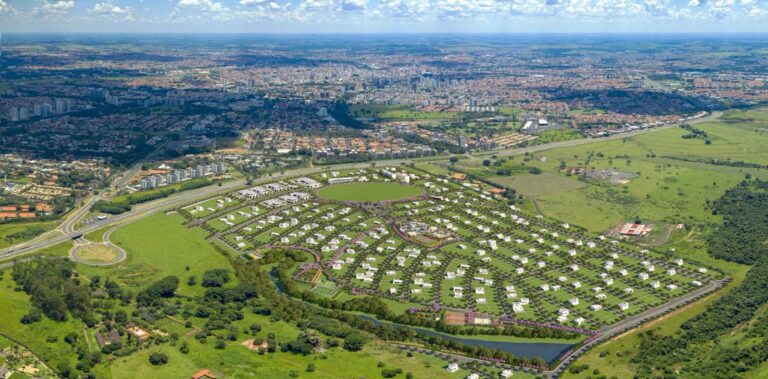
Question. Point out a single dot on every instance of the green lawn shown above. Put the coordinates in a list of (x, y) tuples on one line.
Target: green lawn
[(161, 245), (618, 351), (369, 192)]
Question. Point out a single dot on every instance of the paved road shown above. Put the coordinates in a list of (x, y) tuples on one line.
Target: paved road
[(584, 141), (149, 208), (145, 209), (69, 224), (630, 323), (68, 227), (80, 242)]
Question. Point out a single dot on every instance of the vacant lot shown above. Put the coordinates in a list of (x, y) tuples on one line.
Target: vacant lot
[(540, 185)]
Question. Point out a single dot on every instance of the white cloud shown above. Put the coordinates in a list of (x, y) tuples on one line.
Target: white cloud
[(4, 7), (59, 6), (107, 8), (206, 5), (252, 2), (352, 5), (405, 8)]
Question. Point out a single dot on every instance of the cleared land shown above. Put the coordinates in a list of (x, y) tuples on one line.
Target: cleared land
[(369, 192)]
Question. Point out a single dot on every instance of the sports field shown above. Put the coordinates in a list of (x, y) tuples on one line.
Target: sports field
[(369, 192)]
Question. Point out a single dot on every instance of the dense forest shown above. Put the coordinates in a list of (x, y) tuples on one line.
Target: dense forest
[(698, 346)]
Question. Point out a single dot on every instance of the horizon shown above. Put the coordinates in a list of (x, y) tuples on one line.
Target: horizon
[(384, 16)]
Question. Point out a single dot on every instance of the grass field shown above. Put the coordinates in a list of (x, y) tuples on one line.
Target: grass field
[(98, 235), (239, 362), (543, 184), (397, 112), (14, 233), (97, 253), (667, 188), (369, 192), (674, 178), (160, 245), (15, 304)]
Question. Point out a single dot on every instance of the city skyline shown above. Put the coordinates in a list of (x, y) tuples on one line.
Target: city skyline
[(385, 16)]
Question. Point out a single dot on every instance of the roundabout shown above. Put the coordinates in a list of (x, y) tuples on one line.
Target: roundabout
[(370, 192), (97, 254)]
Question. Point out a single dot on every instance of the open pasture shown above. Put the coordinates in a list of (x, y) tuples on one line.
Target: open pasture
[(674, 177)]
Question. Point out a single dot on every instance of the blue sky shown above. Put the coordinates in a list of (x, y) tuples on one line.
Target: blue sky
[(385, 16)]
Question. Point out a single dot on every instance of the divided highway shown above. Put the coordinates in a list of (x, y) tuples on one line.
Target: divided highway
[(68, 231)]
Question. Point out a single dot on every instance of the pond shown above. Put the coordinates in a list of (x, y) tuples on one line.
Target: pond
[(546, 350)]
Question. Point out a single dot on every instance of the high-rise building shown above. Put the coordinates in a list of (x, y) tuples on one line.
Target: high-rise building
[(46, 110), (462, 142)]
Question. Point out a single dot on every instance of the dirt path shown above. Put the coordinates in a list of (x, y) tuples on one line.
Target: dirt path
[(536, 205)]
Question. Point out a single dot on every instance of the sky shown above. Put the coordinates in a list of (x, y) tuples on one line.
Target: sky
[(385, 16)]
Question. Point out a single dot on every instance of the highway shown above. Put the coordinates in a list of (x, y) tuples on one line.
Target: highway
[(145, 209), (69, 224), (69, 231), (632, 322)]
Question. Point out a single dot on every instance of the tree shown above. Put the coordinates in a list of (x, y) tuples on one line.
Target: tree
[(354, 342), (158, 359), (163, 288), (454, 160), (215, 278), (184, 348)]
